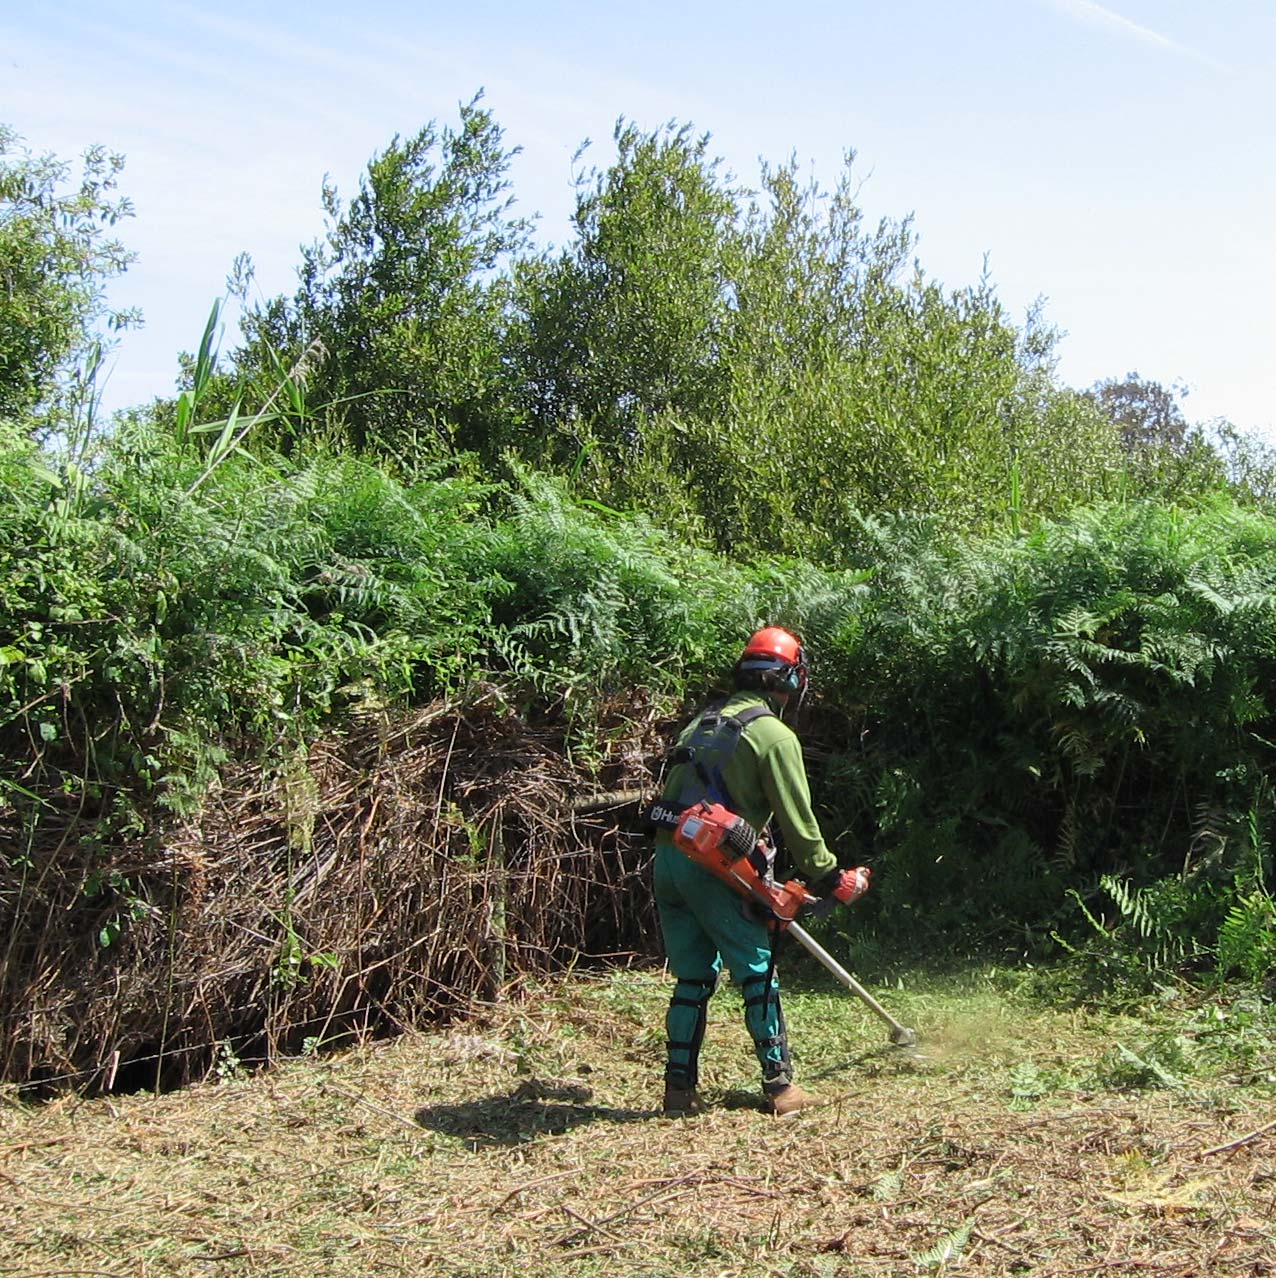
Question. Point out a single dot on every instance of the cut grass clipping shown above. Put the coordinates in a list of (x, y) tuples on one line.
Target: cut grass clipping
[(1017, 1139)]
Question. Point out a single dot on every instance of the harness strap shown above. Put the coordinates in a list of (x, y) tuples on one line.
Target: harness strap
[(712, 782)]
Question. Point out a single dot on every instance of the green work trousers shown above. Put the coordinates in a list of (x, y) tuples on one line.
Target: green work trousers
[(707, 925)]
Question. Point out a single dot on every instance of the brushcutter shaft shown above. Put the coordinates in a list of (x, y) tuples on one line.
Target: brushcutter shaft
[(901, 1035)]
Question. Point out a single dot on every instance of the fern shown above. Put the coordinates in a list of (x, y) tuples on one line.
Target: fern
[(1171, 918), (1247, 937), (947, 1249)]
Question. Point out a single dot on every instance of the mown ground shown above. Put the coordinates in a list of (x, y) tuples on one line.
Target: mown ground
[(1019, 1139)]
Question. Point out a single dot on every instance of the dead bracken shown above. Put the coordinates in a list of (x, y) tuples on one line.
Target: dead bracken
[(391, 877)]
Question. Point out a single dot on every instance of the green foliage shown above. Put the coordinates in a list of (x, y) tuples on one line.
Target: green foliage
[(1247, 934), (751, 368), (626, 323), (1247, 937), (206, 602), (1086, 707), (757, 368), (1163, 1064), (999, 721), (935, 1259), (1166, 454), (405, 300), (1160, 929), (56, 256), (199, 608), (1236, 1034), (1039, 718), (1029, 1083), (1148, 414), (1248, 461), (591, 598)]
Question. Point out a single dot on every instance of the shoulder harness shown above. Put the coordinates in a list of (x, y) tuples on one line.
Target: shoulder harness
[(711, 745)]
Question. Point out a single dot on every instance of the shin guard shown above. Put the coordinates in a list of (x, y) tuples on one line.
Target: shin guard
[(684, 1026), (765, 1021)]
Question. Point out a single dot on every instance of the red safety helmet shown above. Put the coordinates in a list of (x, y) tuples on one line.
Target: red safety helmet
[(774, 642), (774, 650)]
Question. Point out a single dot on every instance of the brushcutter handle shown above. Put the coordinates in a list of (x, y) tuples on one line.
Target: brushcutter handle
[(842, 887), (820, 907), (852, 884)]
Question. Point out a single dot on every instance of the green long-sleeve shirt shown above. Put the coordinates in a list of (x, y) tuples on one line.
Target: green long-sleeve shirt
[(766, 778)]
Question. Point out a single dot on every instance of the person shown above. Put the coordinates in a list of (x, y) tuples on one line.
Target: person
[(739, 753)]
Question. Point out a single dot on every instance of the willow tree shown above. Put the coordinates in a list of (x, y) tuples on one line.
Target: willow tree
[(627, 322)]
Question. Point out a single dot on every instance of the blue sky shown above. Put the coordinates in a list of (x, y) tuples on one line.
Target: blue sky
[(1117, 160)]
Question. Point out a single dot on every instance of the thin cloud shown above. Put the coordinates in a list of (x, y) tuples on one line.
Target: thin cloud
[(1088, 11)]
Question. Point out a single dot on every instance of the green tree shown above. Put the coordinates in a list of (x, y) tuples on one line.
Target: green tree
[(406, 297), (1147, 413), (763, 366), (628, 322), (1165, 454), (57, 255), (807, 277), (1249, 460)]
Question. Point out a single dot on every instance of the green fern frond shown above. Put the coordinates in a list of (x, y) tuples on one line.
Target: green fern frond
[(947, 1249)]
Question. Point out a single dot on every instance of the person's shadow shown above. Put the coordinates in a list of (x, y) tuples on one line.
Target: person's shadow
[(537, 1107)]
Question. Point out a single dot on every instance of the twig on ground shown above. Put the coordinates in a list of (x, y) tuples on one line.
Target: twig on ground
[(1240, 1140), (535, 1184), (624, 1211), (367, 1104)]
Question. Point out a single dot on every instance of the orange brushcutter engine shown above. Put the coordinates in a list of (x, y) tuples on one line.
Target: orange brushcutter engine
[(727, 845)]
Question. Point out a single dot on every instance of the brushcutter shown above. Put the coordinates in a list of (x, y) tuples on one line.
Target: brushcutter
[(725, 844)]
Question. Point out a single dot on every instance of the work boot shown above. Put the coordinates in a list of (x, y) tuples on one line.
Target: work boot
[(787, 1098), (682, 1101)]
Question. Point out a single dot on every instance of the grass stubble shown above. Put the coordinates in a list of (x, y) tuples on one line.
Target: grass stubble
[(529, 1143)]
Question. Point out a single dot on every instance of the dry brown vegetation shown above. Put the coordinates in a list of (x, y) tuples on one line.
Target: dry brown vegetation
[(386, 879), (527, 1142)]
